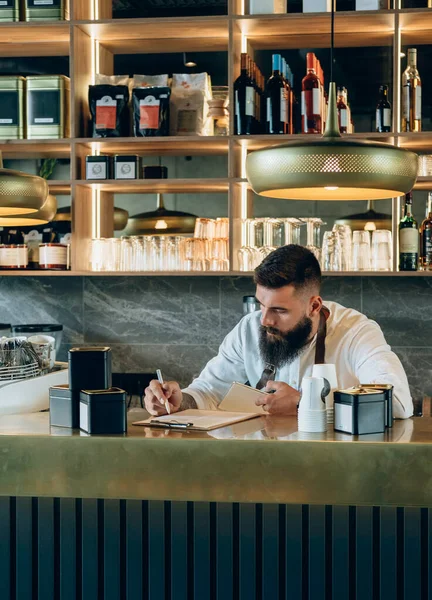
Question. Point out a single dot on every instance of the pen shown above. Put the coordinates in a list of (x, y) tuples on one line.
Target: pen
[(161, 381), (172, 425)]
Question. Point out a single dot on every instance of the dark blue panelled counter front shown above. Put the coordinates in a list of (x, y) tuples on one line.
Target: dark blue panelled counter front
[(250, 512)]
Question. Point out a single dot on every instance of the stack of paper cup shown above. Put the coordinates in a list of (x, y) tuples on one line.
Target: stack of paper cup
[(328, 372), (312, 417)]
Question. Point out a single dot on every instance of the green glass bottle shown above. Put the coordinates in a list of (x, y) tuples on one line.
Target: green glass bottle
[(408, 238)]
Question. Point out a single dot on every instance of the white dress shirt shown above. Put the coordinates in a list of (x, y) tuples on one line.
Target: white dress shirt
[(354, 343)]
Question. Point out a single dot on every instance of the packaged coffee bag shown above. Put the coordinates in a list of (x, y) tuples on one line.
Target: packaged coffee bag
[(109, 110), (189, 105), (150, 81), (151, 111)]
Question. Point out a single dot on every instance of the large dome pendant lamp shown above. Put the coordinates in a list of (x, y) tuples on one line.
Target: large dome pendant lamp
[(20, 193), (332, 167), (45, 215)]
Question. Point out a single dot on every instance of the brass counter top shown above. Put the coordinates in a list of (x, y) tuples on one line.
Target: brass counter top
[(261, 460)]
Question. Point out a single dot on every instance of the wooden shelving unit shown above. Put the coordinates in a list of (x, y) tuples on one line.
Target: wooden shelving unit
[(92, 38)]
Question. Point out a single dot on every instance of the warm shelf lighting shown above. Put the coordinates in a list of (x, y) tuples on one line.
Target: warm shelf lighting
[(45, 215)]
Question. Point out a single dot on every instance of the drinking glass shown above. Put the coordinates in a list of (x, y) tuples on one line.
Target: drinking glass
[(221, 228), (313, 228), (205, 228), (98, 247), (361, 254), (114, 250), (194, 255), (245, 253), (291, 231), (331, 252), (345, 236), (219, 255), (382, 250), (127, 254)]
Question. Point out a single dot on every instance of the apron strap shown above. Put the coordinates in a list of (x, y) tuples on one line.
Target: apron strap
[(321, 336), (270, 370)]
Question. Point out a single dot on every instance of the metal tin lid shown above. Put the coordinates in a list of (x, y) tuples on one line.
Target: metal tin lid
[(12, 78), (95, 159), (109, 395), (49, 77), (64, 392), (91, 349), (126, 158), (44, 328)]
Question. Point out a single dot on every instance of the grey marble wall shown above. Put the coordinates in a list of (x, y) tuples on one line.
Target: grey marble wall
[(177, 323)]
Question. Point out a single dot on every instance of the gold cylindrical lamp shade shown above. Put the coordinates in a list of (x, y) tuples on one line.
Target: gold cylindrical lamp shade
[(45, 215), (20, 193), (332, 169)]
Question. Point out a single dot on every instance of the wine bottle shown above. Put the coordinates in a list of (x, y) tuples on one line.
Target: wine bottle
[(311, 98), (244, 100), (411, 94), (426, 237), (342, 111), (408, 238), (276, 98), (383, 111)]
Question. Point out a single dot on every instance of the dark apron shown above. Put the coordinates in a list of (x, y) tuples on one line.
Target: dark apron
[(270, 370)]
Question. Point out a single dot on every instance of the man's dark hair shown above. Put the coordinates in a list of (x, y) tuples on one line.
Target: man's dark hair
[(289, 265)]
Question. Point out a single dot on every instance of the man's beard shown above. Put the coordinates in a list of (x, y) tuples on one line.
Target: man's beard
[(283, 348)]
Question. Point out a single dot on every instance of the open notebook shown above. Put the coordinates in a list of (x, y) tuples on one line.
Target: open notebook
[(238, 405)]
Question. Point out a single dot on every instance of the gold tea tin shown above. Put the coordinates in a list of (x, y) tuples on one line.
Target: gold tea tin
[(45, 10), (48, 100), (9, 10), (12, 119)]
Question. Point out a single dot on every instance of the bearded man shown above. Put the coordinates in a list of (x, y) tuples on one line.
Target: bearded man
[(275, 347)]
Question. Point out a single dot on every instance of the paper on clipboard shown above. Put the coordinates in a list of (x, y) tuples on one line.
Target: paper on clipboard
[(241, 398)]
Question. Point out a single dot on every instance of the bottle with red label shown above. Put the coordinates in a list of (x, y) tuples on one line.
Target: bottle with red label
[(342, 111), (311, 98)]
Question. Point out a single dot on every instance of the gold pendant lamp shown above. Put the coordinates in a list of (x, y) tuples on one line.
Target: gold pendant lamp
[(161, 222), (121, 217), (332, 167), (45, 215), (20, 193)]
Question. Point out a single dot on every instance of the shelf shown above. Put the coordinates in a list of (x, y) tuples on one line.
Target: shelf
[(256, 142), (306, 30), (172, 145), (162, 186), (34, 39), (418, 142), (59, 187), (423, 183), (139, 36), (36, 273), (35, 148), (416, 26)]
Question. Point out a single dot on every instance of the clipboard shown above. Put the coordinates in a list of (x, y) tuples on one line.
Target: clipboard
[(197, 420)]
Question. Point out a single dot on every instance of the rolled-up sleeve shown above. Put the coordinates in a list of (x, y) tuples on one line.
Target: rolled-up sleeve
[(374, 362), (211, 386)]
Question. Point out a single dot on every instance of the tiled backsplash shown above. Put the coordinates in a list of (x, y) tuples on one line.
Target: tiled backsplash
[(177, 323)]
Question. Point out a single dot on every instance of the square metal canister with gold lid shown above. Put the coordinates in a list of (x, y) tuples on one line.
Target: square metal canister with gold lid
[(45, 10), (12, 119), (48, 102), (9, 10)]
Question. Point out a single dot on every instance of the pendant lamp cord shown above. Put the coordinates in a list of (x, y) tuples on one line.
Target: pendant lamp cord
[(333, 2)]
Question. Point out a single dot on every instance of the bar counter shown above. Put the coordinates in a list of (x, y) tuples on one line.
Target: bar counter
[(249, 512), (260, 460)]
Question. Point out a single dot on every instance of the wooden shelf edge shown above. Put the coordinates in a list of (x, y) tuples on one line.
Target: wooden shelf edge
[(249, 274)]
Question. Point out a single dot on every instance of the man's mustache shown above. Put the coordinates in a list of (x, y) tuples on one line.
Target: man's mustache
[(272, 330)]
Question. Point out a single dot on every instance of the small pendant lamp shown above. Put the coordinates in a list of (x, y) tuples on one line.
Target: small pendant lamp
[(45, 215), (161, 222), (332, 167), (20, 193)]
